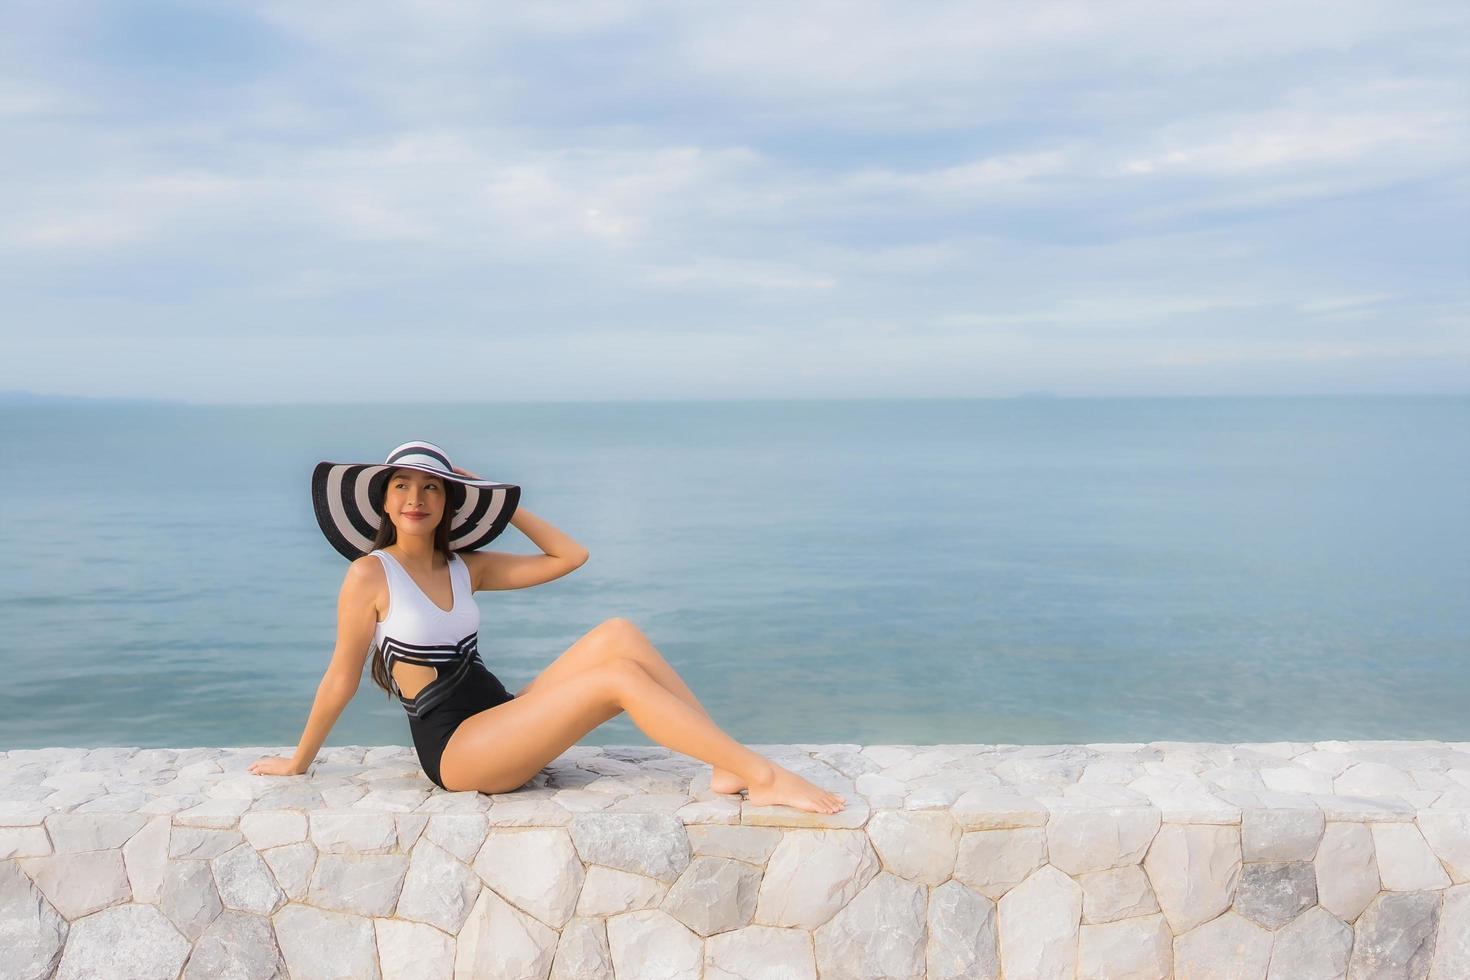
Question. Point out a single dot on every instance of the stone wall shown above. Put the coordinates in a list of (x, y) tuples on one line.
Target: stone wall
[(1281, 860)]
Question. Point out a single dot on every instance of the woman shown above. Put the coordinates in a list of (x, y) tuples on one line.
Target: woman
[(406, 597)]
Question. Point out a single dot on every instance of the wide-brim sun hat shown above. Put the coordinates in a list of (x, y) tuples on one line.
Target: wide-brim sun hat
[(348, 500)]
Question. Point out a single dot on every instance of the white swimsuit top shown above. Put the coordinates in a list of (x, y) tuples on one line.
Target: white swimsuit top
[(418, 632)]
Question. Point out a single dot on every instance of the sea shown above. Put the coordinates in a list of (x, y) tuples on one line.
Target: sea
[(1009, 570)]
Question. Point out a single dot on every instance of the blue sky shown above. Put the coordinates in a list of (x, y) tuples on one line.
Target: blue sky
[(288, 201)]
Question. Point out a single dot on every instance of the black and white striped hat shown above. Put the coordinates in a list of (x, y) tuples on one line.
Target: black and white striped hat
[(348, 500)]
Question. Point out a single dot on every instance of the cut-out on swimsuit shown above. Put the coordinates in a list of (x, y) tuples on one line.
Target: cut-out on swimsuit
[(416, 631)]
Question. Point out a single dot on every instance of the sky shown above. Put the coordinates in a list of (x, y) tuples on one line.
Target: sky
[(297, 202)]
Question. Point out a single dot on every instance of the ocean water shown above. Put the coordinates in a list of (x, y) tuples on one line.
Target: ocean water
[(1022, 570)]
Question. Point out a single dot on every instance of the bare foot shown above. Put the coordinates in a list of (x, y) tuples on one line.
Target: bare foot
[(786, 788), (725, 781)]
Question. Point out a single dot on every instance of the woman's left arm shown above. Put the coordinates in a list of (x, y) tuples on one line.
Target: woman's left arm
[(549, 538)]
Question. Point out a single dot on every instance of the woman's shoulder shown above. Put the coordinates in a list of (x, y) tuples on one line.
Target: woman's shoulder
[(367, 569)]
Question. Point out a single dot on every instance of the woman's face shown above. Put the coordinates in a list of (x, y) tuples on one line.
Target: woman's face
[(411, 493)]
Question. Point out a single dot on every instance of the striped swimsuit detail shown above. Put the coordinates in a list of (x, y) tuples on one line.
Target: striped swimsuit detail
[(416, 631)]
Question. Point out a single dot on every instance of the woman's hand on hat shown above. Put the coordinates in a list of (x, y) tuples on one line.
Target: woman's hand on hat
[(274, 765), (465, 473)]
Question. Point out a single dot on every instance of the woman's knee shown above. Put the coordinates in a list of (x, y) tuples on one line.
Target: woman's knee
[(619, 674), (619, 628), (615, 635)]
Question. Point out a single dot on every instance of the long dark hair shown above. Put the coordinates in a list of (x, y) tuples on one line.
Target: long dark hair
[(388, 534)]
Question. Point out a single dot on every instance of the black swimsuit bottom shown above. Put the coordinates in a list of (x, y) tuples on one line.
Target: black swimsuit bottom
[(477, 690)]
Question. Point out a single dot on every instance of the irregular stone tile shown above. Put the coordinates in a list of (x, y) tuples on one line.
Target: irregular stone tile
[(188, 897), (536, 869), (1229, 778), (1193, 869), (461, 834), (878, 934), (651, 803), (1272, 894), (994, 861), (529, 813), (1117, 893), (1347, 871), (652, 944), (1452, 948), (289, 797), (714, 895), (342, 797), (22, 813), (578, 800), (997, 809), (1455, 800), (1405, 861), (608, 891), (237, 946), (753, 845), (1279, 834), (245, 882), (410, 828), (919, 846), (214, 814), (652, 844), (80, 883), (1361, 809), (413, 951), (1297, 779), (582, 952), (1140, 948), (24, 842), (468, 801), (292, 865), (760, 953), (144, 858), (32, 932), (438, 888), (1395, 936), (1186, 799), (812, 874), (1079, 840), (1372, 779), (499, 939), (1314, 946), (352, 831), (322, 945), (1039, 923), (1116, 771), (201, 843), (272, 828), (72, 832), (1098, 794), (363, 884), (963, 939), (1228, 947), (938, 792), (169, 804), (133, 941)]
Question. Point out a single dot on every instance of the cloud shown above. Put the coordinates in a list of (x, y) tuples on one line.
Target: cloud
[(728, 274), (964, 192)]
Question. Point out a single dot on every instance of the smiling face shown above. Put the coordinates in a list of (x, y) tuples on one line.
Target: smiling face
[(415, 501)]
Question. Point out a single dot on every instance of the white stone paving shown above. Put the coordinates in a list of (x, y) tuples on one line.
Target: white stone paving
[(1274, 860)]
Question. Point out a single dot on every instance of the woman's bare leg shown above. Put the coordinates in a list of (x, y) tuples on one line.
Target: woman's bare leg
[(638, 646), (669, 721), (620, 637), (501, 748)]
